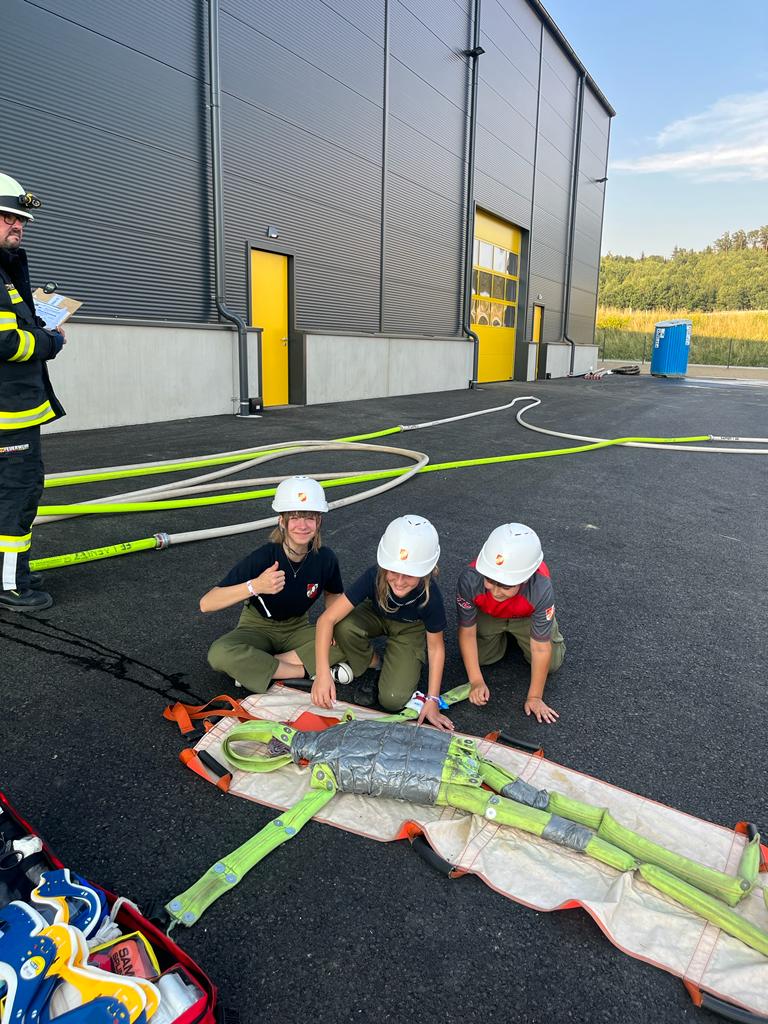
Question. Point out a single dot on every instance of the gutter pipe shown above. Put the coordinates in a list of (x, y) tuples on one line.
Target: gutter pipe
[(473, 54), (244, 405), (572, 220)]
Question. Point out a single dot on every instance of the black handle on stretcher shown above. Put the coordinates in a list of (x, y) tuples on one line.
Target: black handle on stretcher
[(425, 851), (520, 744), (730, 1012), (213, 765)]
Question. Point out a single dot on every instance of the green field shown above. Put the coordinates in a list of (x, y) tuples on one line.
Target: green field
[(728, 338)]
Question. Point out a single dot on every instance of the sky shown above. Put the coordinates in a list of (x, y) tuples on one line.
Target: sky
[(689, 144)]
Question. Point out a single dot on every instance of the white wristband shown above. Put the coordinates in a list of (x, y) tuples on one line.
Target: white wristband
[(251, 589)]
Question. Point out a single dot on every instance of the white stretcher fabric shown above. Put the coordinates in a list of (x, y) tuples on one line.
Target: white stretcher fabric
[(634, 916)]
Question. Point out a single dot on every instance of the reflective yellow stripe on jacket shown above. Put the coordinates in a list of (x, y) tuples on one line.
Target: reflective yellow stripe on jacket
[(16, 543), (14, 295), (26, 418), (25, 351)]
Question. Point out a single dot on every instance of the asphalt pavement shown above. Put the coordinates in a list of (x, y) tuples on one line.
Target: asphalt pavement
[(659, 561)]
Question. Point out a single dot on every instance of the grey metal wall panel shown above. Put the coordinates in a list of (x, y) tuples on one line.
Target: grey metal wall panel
[(582, 329), (504, 202), (557, 127), (523, 16), (367, 17), (427, 128), (588, 220), (413, 156), (549, 229), (503, 163), (306, 29), (172, 39), (292, 143), (122, 227), (548, 261), (428, 40), (504, 33), (552, 164), (552, 189), (422, 108), (558, 62), (302, 118), (499, 118), (301, 93)]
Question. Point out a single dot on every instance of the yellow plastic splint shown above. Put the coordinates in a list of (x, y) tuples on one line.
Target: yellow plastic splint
[(71, 966)]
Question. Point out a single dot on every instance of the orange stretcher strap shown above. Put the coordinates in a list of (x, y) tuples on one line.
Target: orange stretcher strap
[(185, 714)]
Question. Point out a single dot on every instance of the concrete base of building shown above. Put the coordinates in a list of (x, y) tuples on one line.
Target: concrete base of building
[(557, 360), (341, 368), (112, 375)]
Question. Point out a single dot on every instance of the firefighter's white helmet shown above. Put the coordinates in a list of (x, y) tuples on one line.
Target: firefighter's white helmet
[(299, 493), (15, 199), (511, 555), (410, 545)]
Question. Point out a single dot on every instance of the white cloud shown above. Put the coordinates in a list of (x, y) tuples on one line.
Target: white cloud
[(726, 142)]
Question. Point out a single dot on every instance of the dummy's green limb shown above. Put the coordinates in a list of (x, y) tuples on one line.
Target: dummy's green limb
[(189, 906), (529, 819), (749, 865), (454, 696), (709, 907), (717, 883), (574, 810)]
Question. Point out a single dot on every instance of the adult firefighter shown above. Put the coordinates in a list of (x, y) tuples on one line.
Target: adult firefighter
[(26, 401)]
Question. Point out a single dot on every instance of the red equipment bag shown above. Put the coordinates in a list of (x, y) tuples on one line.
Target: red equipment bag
[(171, 958)]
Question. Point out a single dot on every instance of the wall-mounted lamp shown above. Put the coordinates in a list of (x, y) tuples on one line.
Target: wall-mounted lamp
[(272, 231), (539, 297)]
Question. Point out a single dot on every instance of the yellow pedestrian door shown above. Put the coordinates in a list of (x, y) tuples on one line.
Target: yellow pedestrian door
[(538, 314), (269, 310), (495, 286)]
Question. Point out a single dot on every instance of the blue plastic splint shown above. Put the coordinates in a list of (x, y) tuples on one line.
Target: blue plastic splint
[(75, 901), (26, 957)]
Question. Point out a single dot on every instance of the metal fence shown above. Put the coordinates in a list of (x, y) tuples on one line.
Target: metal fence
[(638, 345)]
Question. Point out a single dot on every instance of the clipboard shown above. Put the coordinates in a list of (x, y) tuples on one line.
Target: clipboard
[(54, 308)]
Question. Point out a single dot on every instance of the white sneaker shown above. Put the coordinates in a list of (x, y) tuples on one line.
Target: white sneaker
[(342, 673)]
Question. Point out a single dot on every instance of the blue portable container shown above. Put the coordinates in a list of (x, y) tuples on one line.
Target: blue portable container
[(671, 348)]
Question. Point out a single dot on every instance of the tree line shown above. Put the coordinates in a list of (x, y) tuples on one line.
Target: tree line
[(731, 273)]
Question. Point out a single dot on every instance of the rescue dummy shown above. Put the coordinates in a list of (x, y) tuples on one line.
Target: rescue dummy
[(387, 758)]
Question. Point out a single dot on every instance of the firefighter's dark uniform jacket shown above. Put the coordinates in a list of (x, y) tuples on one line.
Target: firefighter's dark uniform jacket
[(26, 395), (26, 401)]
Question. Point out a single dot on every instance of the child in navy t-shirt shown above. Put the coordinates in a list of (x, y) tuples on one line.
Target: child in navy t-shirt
[(399, 599)]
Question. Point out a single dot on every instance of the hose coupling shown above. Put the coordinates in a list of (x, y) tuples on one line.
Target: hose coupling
[(162, 540)]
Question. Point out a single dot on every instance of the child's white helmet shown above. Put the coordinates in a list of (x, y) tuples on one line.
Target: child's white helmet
[(410, 545), (511, 555), (299, 493)]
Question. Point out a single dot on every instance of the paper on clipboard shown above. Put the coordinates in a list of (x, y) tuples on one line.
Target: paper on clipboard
[(54, 308)]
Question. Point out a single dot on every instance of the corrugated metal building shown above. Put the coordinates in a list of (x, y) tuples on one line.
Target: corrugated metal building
[(347, 130)]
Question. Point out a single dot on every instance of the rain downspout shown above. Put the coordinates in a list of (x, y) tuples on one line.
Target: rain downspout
[(473, 54), (572, 221), (244, 408)]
